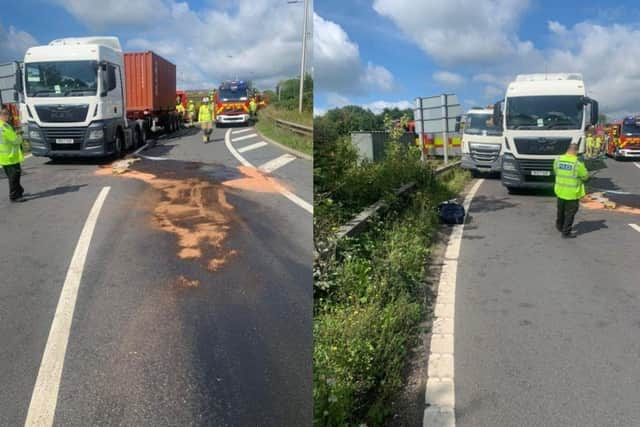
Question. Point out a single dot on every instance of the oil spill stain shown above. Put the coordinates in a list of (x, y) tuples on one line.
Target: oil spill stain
[(600, 201), (183, 282), (193, 207)]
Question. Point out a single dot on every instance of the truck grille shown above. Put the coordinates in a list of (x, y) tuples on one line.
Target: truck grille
[(484, 153), (75, 133), (542, 146), (62, 113)]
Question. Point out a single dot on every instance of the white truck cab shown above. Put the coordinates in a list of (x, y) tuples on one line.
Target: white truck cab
[(481, 141), (74, 97), (542, 115)]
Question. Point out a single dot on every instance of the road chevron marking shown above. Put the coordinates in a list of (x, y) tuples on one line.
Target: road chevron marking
[(242, 138), (289, 195), (252, 147), (440, 389), (635, 227), (277, 163), (235, 132), (45, 391), (637, 164)]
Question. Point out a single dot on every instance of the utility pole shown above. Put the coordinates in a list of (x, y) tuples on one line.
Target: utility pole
[(304, 49)]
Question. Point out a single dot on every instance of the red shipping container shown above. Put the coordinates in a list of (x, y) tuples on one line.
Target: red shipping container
[(151, 82)]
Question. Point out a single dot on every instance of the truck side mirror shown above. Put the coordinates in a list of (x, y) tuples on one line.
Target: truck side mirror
[(497, 114), (594, 111)]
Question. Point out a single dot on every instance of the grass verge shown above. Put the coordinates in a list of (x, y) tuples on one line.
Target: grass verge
[(368, 304), (266, 125)]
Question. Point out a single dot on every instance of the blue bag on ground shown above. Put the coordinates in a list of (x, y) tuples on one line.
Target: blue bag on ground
[(451, 212)]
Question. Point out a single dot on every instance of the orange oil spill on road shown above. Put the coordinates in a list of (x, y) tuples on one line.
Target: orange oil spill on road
[(596, 205), (195, 211), (183, 282), (254, 180)]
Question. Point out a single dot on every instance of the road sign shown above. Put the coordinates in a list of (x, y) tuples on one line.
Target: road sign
[(434, 114)]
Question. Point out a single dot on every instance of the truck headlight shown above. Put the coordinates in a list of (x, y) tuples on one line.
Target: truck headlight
[(35, 135), (508, 163), (96, 134)]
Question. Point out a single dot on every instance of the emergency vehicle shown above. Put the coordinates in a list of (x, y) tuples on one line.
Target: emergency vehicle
[(232, 103), (624, 138)]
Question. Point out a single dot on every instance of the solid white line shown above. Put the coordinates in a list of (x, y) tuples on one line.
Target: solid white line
[(635, 227), (277, 163), (252, 147), (242, 138), (440, 389), (45, 392), (235, 132), (152, 157), (289, 195)]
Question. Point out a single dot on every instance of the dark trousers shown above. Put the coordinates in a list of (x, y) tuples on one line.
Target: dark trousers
[(13, 174), (567, 210)]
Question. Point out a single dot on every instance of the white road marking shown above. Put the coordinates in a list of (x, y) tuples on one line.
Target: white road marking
[(45, 392), (235, 132), (152, 157), (140, 149), (637, 164), (242, 138), (440, 390), (635, 227), (28, 156), (277, 163), (289, 195), (252, 147)]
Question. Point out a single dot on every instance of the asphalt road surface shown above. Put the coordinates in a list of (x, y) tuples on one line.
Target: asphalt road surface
[(546, 329), (195, 303)]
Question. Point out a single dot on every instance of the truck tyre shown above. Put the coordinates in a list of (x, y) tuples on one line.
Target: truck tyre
[(140, 136), (513, 190), (119, 145)]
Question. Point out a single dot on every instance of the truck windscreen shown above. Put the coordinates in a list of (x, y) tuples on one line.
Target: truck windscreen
[(544, 112), (631, 128), (475, 124), (62, 78), (232, 95)]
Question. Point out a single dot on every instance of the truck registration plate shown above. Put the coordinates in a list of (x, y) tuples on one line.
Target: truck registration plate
[(64, 140), (541, 173)]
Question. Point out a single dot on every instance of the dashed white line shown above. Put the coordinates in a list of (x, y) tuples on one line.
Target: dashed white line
[(235, 132), (45, 392), (276, 163), (252, 147), (242, 138), (286, 193), (440, 390), (635, 227)]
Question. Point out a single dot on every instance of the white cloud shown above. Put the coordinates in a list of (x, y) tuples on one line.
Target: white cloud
[(14, 43), (557, 28), (337, 64), (117, 13), (459, 31), (257, 40), (379, 106), (447, 78)]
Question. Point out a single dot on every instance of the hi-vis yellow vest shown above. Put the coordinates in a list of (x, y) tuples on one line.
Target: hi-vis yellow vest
[(571, 174), (10, 146)]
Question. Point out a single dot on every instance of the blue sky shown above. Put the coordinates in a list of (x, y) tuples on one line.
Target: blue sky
[(208, 40), (386, 52)]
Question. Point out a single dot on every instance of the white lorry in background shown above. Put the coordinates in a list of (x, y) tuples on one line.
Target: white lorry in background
[(481, 141), (75, 96), (542, 115)]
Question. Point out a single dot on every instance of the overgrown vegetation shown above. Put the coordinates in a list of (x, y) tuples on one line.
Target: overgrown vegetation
[(369, 297), (267, 126)]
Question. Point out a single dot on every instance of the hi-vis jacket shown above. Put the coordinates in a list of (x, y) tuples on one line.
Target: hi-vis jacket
[(10, 146), (571, 174)]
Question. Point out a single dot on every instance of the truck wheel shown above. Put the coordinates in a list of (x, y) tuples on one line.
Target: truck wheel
[(513, 190), (140, 136), (119, 145)]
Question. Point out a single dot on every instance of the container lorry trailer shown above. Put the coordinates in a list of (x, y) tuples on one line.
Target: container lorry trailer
[(542, 115), (10, 92), (481, 141), (84, 97)]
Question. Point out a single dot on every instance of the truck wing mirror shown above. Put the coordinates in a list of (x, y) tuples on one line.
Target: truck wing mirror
[(497, 114), (594, 111)]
